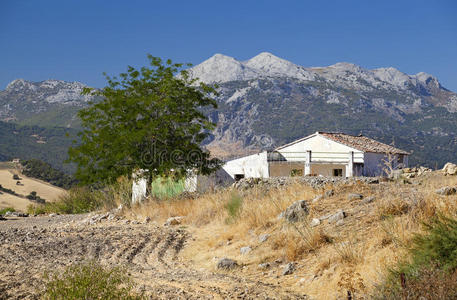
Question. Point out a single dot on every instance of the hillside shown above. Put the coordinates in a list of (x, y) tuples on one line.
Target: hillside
[(43, 189), (28, 142)]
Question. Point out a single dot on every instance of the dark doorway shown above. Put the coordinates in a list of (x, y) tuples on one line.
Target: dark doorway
[(238, 177)]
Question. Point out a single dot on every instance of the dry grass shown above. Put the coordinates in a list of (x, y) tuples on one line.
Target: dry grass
[(373, 236)]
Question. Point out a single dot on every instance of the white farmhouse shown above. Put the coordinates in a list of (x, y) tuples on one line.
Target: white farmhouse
[(322, 153)]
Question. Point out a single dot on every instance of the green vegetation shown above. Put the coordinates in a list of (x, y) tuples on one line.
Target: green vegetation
[(85, 199), (22, 142), (78, 200), (149, 119), (89, 280), (167, 187), (8, 191), (34, 197), (41, 170), (431, 270), (234, 206), (7, 209)]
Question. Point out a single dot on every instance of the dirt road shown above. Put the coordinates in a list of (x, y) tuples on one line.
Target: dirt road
[(31, 246)]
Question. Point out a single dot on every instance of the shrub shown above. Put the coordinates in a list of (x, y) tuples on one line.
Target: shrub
[(431, 265), (234, 206), (16, 177), (78, 200), (89, 280), (6, 209)]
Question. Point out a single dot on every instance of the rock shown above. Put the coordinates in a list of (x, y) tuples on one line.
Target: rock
[(288, 269), (450, 169), (227, 264), (173, 221), (264, 266), (355, 196), (295, 212), (147, 220), (52, 215), (368, 200), (315, 222), (339, 222), (264, 237), (329, 193), (446, 191), (337, 216), (2, 218), (111, 217), (396, 174), (245, 250), (317, 199)]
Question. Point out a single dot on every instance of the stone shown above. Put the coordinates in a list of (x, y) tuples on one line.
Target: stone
[(450, 169), (355, 196), (52, 215), (339, 215), (446, 191), (111, 217), (329, 193), (264, 266), (245, 250), (368, 200), (315, 222), (288, 269), (147, 220), (295, 212), (173, 221), (227, 263), (264, 237), (317, 199), (339, 222)]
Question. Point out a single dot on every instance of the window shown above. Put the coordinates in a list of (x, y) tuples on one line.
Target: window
[(338, 172), (238, 177)]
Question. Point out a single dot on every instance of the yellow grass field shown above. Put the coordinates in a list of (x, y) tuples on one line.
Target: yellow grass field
[(43, 189)]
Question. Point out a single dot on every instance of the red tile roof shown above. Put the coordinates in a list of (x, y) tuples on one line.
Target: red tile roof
[(362, 143)]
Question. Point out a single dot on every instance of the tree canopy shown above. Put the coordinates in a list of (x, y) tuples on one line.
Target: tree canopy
[(149, 119)]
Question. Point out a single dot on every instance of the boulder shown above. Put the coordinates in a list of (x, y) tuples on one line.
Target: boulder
[(329, 193), (446, 191), (173, 221), (264, 266), (245, 250), (227, 264), (295, 212), (368, 200), (315, 222), (450, 169), (355, 196), (264, 237), (339, 215), (288, 269)]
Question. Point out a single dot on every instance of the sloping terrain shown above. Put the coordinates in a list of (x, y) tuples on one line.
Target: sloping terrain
[(28, 185)]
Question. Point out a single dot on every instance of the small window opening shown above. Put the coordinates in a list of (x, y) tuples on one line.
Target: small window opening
[(338, 172)]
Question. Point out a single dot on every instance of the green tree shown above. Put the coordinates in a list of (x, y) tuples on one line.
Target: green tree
[(148, 119)]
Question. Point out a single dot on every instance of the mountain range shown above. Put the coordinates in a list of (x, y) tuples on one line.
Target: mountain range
[(267, 101)]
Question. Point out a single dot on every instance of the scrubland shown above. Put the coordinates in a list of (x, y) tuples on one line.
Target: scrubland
[(331, 259)]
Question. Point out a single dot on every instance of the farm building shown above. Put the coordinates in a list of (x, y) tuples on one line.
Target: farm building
[(322, 153)]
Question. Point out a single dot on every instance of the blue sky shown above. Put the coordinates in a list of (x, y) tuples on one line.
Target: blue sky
[(78, 40)]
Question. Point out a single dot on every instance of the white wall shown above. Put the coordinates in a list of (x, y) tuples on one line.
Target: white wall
[(318, 145), (327, 169), (255, 165)]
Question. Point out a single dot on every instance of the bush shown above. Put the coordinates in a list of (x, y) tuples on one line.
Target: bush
[(7, 209), (16, 177), (432, 266), (234, 206), (89, 281), (76, 201)]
